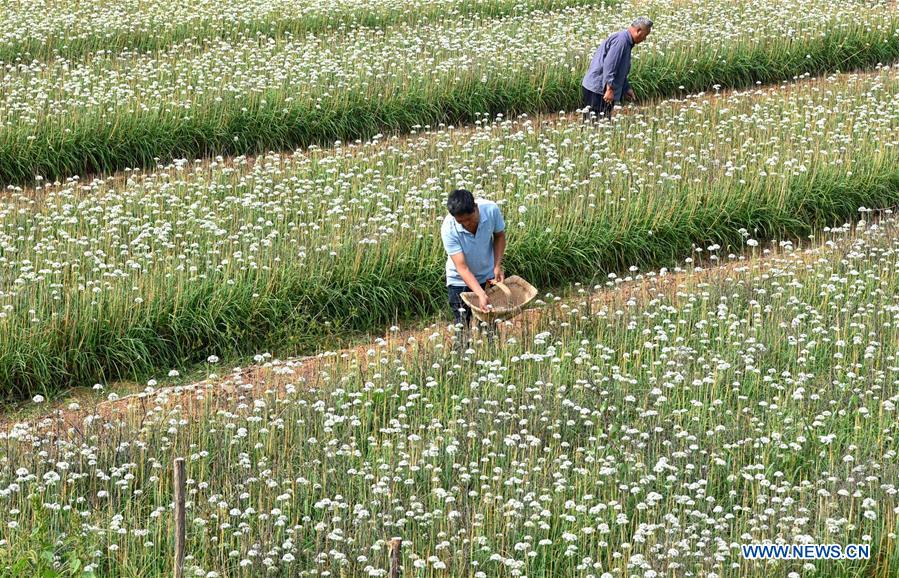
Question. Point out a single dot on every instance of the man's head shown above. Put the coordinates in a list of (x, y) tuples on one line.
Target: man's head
[(461, 205), (640, 29)]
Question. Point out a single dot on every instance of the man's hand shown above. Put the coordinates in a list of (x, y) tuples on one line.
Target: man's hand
[(609, 95), (483, 302), (630, 94), (498, 275)]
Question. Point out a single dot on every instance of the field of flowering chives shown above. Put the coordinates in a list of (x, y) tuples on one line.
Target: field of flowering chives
[(120, 279), (67, 117), (282, 172), (45, 29), (617, 436)]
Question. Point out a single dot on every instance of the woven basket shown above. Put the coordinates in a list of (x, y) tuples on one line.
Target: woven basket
[(508, 299)]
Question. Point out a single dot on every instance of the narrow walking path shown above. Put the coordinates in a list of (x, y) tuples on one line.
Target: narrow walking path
[(245, 163), (132, 401)]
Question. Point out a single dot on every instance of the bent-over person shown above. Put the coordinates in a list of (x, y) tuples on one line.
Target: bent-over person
[(606, 80), (475, 241)]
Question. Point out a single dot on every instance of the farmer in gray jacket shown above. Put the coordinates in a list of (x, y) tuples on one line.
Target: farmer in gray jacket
[(606, 79)]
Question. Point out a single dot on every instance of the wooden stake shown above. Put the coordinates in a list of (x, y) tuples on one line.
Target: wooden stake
[(179, 481), (395, 564)]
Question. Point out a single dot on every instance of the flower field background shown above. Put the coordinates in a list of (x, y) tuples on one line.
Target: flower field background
[(52, 29), (191, 185), (637, 434), (249, 95), (125, 279)]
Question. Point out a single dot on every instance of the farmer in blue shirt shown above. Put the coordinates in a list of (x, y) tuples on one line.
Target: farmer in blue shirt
[(606, 79), (475, 240)]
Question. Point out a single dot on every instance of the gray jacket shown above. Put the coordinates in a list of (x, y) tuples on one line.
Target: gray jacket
[(610, 65)]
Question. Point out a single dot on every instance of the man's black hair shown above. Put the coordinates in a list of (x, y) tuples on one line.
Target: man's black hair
[(460, 202)]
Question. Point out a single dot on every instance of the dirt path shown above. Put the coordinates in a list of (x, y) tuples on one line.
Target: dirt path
[(134, 401), (277, 373), (120, 179)]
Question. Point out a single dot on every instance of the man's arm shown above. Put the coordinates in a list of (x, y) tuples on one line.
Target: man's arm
[(610, 66), (628, 91), (499, 249), (469, 278), (499, 245)]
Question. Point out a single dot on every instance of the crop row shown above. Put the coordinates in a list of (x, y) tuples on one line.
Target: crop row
[(63, 118), (49, 29), (119, 279), (617, 437)]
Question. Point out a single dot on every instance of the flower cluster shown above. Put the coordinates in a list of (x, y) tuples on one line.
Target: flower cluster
[(81, 258), (195, 79), (640, 436), (43, 28)]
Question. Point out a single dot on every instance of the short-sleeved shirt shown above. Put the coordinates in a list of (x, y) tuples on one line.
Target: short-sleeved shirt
[(477, 248)]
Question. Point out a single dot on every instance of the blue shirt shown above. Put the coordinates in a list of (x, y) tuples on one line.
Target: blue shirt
[(477, 248), (610, 65)]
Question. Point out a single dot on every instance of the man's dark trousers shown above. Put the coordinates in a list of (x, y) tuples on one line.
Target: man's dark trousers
[(597, 105)]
